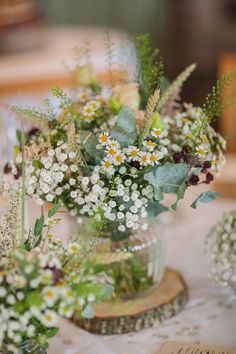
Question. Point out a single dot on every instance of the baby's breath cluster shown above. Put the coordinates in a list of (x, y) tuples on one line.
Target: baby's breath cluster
[(34, 293), (221, 249)]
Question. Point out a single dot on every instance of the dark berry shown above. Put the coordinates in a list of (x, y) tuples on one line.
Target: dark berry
[(7, 168), (33, 131), (186, 149), (135, 164), (56, 273), (209, 177), (177, 157), (193, 180), (18, 174), (207, 164)]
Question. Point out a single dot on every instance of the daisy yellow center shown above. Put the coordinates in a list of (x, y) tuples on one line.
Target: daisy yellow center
[(49, 294), (49, 318), (144, 158), (104, 138), (107, 164), (153, 158), (94, 105), (134, 153), (201, 151), (158, 132), (150, 143), (74, 248), (111, 152), (88, 110), (118, 158), (69, 293), (84, 97)]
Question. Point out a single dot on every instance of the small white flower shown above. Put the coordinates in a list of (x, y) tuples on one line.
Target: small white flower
[(158, 133), (132, 152), (144, 158), (85, 181), (104, 138), (73, 168), (49, 197), (11, 300), (149, 144), (72, 154), (50, 295), (3, 292), (91, 298), (73, 248), (121, 228), (49, 318), (72, 181), (65, 310)]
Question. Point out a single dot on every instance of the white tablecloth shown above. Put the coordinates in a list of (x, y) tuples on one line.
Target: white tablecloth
[(209, 316)]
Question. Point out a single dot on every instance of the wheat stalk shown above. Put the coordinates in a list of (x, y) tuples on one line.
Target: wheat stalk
[(171, 90), (148, 116)]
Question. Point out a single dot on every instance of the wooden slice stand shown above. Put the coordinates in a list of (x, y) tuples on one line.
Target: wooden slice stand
[(156, 305)]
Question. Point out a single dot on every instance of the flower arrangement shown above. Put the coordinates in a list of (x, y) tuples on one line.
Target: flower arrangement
[(40, 280), (221, 249), (111, 152)]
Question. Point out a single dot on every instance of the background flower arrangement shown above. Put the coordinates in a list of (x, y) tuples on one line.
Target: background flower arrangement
[(112, 152), (221, 250), (40, 279)]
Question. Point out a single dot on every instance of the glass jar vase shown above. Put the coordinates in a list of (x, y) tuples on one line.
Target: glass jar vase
[(131, 262)]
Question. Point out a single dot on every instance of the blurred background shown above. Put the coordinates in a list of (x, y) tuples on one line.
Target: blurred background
[(37, 38)]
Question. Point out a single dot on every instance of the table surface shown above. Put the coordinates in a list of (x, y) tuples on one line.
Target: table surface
[(210, 314)]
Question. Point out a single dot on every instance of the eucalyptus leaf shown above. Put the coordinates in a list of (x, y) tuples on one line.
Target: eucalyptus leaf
[(125, 131), (205, 197), (154, 208), (90, 146), (180, 195), (88, 311), (167, 178), (51, 332)]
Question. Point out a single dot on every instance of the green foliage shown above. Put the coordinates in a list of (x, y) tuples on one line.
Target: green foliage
[(125, 131), (90, 146), (167, 178), (205, 197), (213, 106), (172, 88), (65, 101), (150, 67), (54, 210), (101, 291), (155, 208), (88, 311)]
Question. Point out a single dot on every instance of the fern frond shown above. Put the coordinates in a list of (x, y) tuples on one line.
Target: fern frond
[(151, 105), (149, 67), (65, 101), (38, 118), (72, 142), (172, 89)]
